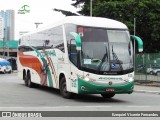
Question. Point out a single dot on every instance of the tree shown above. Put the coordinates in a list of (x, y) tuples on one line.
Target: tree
[(67, 13), (146, 12)]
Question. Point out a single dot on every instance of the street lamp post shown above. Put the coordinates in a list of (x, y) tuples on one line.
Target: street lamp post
[(8, 55), (134, 43), (4, 43), (91, 8)]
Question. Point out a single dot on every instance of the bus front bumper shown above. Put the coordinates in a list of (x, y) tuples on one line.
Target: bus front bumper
[(92, 88)]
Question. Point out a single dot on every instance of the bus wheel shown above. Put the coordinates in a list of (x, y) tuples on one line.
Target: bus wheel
[(63, 89), (29, 83), (25, 81), (109, 95)]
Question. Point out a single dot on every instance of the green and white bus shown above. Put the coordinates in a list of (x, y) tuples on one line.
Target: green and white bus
[(82, 55)]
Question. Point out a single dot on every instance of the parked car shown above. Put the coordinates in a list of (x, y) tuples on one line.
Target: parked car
[(141, 68), (5, 66), (151, 67), (156, 70)]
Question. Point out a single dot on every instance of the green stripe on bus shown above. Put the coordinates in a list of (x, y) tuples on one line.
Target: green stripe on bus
[(48, 70), (48, 74), (93, 88), (53, 65)]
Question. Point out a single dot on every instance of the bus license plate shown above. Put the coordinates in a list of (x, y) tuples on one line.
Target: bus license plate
[(110, 90)]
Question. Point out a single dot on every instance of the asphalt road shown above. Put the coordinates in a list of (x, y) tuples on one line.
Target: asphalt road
[(15, 96)]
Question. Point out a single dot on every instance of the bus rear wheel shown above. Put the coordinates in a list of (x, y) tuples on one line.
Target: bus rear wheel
[(108, 95), (25, 80), (63, 89), (29, 82)]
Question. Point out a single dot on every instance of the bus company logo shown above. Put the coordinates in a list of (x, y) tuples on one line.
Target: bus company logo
[(61, 59), (24, 9), (46, 53), (109, 78)]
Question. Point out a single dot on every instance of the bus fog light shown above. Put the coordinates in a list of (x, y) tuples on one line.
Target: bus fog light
[(129, 80), (132, 87), (83, 88)]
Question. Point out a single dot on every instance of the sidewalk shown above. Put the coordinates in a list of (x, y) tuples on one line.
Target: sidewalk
[(147, 89)]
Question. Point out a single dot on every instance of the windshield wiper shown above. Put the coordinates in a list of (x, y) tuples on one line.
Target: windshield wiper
[(117, 60), (103, 59)]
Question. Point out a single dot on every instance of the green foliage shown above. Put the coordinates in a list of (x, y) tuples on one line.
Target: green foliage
[(146, 12)]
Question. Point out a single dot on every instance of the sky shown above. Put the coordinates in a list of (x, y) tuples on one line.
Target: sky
[(40, 11)]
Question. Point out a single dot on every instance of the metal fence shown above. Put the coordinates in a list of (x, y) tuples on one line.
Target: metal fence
[(147, 67)]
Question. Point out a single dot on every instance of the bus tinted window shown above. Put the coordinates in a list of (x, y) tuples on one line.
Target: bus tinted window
[(47, 39)]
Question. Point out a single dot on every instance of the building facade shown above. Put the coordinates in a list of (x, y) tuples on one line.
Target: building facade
[(9, 24), (1, 28)]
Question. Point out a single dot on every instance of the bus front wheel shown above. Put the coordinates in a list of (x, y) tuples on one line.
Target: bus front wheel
[(108, 95), (63, 89)]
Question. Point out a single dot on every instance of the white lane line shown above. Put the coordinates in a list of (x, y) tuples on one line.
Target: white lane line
[(58, 107), (139, 106), (71, 107), (147, 91)]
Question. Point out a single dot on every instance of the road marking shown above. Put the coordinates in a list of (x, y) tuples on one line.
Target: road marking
[(147, 91), (58, 107), (138, 106)]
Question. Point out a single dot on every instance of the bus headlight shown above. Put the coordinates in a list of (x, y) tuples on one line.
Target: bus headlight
[(129, 80), (87, 79)]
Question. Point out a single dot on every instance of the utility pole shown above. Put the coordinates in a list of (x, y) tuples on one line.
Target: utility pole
[(134, 40), (91, 8), (134, 43), (37, 24), (7, 45), (4, 43)]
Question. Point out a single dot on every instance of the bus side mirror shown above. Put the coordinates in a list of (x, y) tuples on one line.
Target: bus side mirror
[(140, 42), (77, 39), (19, 41), (78, 48)]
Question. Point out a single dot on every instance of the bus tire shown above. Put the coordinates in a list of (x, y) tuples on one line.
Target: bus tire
[(25, 81), (63, 89), (108, 95), (29, 82)]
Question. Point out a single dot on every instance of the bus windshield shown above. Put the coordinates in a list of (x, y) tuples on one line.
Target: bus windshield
[(105, 50)]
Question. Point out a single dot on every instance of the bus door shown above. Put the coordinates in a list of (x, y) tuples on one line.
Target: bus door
[(73, 65)]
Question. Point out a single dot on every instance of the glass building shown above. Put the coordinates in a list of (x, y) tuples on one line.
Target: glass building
[(9, 24), (1, 28)]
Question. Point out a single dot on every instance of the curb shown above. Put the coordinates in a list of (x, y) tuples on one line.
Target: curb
[(147, 91)]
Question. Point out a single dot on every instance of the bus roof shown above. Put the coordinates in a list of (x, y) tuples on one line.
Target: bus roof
[(95, 22), (86, 21)]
